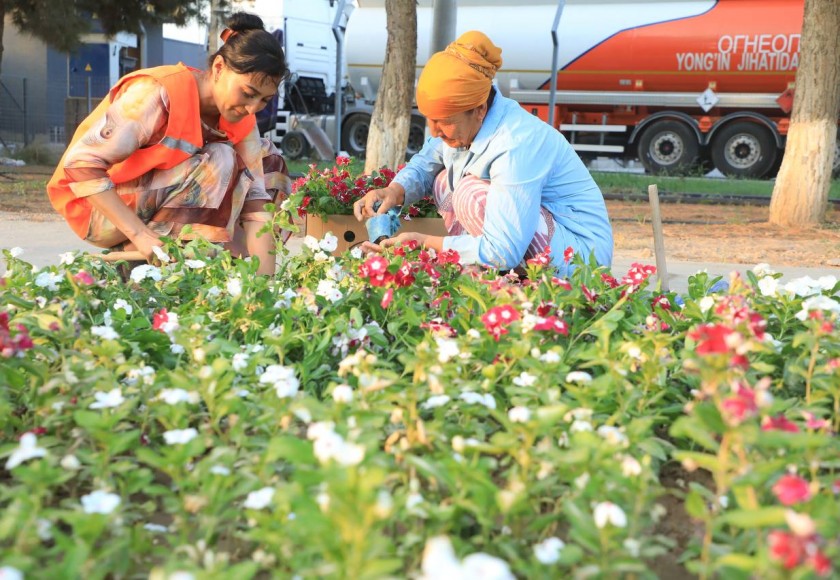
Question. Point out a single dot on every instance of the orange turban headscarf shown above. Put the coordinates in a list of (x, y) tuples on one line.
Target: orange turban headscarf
[(458, 78)]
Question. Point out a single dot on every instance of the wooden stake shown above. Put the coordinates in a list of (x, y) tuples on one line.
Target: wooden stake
[(658, 238), (131, 256)]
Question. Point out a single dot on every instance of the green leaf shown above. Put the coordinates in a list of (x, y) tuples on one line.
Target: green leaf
[(691, 428), (695, 506), (757, 518), (291, 449)]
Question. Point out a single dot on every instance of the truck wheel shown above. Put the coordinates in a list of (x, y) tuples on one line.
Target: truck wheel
[(354, 135), (416, 136), (744, 149), (294, 145), (669, 147)]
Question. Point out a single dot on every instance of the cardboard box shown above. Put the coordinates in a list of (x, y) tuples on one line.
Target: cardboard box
[(351, 233)]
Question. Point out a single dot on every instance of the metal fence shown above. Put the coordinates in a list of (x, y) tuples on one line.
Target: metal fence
[(41, 109)]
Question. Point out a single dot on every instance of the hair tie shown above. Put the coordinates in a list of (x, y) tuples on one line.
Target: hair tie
[(226, 34)]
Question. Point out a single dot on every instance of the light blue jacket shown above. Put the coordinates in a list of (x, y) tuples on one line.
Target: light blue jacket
[(529, 165)]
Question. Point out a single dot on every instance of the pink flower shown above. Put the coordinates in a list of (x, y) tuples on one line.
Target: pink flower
[(541, 259), (553, 323), (779, 423), (792, 489), (159, 319), (83, 278), (740, 406), (812, 422), (497, 318)]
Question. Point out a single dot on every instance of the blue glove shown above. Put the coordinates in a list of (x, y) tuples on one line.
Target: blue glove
[(383, 226)]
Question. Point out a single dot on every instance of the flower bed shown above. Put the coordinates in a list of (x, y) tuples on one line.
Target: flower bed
[(402, 415), (325, 198)]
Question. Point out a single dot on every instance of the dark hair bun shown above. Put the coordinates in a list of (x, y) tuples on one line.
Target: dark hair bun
[(241, 21)]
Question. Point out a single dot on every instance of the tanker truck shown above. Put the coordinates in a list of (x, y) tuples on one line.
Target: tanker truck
[(682, 85)]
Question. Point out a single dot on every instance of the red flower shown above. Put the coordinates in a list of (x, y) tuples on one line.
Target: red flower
[(541, 259), (448, 257), (159, 319), (637, 274), (786, 548), (13, 345), (711, 338), (568, 254), (609, 280), (792, 489), (564, 284), (373, 266), (590, 295), (554, 324), (779, 423), (662, 301), (439, 328), (498, 318), (387, 298)]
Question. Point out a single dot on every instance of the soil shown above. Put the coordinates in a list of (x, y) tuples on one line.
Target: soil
[(737, 234)]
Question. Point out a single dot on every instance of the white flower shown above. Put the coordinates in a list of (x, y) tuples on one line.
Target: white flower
[(112, 398), (630, 467), (318, 429), (70, 463), (67, 258), (180, 436), (259, 499), (612, 435), (478, 399), (175, 396), (768, 286), (146, 374), (580, 426), (143, 271), (578, 377), (323, 500), (10, 573), (706, 303), (100, 502), (312, 243), (548, 551), (447, 349), (121, 304), (818, 302), (157, 528), (763, 269), (329, 243), (283, 380), (440, 562), (435, 401), (356, 252), (525, 380), (176, 348), (27, 449), (800, 524), (240, 361), (213, 291), (44, 529), (48, 280), (105, 332), (550, 357), (181, 575), (608, 513), (161, 255), (632, 546), (194, 264), (350, 454), (343, 394), (219, 470), (16, 252), (234, 287), (519, 414), (328, 290)]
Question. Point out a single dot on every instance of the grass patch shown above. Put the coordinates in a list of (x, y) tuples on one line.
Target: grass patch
[(611, 182)]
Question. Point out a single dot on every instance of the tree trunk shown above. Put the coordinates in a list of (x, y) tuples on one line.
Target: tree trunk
[(389, 125), (800, 195), (2, 30)]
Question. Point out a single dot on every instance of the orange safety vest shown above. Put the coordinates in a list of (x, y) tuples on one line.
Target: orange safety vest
[(183, 138)]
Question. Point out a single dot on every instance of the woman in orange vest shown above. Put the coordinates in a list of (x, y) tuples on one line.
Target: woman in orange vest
[(172, 146)]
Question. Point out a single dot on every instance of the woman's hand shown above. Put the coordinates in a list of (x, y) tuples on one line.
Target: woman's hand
[(144, 241), (390, 196), (423, 240)]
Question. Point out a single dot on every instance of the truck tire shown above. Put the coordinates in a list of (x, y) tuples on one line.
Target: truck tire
[(669, 147), (744, 149), (416, 136), (294, 145), (354, 135)]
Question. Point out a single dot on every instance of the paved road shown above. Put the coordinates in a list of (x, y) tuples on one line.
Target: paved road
[(43, 241)]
